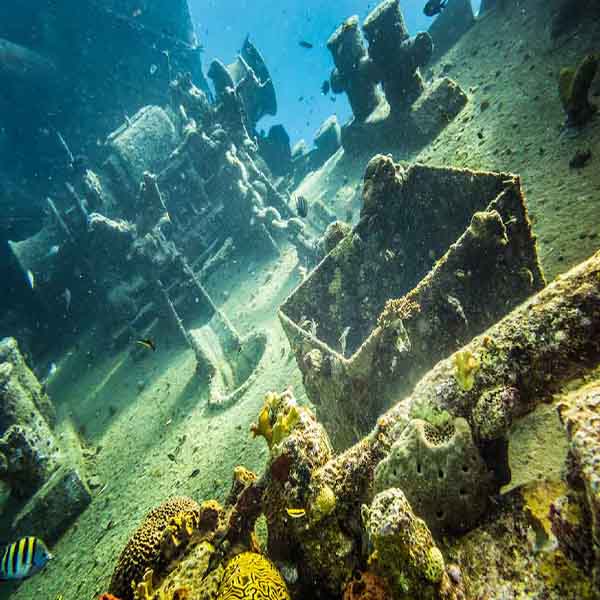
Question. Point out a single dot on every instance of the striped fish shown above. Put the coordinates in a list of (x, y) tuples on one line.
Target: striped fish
[(24, 558)]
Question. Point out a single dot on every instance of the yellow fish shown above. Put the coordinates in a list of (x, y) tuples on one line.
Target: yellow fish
[(295, 513)]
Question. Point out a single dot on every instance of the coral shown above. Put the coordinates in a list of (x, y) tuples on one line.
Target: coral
[(492, 415), (466, 366), (288, 486), (439, 419), (143, 550), (397, 309), (441, 472), (404, 550), (334, 234), (323, 504), (251, 575), (576, 518), (144, 590), (367, 586), (263, 427), (177, 534), (574, 86), (275, 424)]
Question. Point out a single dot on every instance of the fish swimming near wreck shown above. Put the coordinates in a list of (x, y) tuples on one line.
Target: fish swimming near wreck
[(301, 207), (305, 44), (295, 513), (325, 87), (147, 343), (434, 7), (24, 558)]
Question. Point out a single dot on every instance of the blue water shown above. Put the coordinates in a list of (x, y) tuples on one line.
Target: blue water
[(276, 28)]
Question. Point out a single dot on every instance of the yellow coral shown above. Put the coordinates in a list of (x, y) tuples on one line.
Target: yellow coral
[(251, 575), (143, 550), (145, 589), (286, 416), (264, 426), (466, 366), (284, 424)]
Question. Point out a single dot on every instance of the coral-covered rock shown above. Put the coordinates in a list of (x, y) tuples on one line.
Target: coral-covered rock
[(576, 518), (143, 550), (367, 586), (404, 550)]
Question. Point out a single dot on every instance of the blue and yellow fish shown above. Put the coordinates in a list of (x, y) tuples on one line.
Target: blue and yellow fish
[(24, 558)]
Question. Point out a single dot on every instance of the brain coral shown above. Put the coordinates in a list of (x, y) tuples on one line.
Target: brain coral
[(142, 551), (252, 576)]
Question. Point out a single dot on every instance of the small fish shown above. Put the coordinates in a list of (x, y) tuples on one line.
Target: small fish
[(52, 370), (305, 44), (67, 297), (30, 279), (325, 87), (295, 513), (147, 343), (301, 207), (54, 250), (24, 558), (434, 7), (153, 69)]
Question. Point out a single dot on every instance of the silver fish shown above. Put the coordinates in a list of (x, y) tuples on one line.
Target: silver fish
[(54, 250), (30, 279)]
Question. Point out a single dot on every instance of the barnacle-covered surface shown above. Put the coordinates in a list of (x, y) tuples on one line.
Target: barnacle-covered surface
[(373, 317)]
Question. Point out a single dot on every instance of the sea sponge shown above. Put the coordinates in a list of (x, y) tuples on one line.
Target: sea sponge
[(143, 550), (466, 367), (251, 575), (367, 586), (441, 472), (276, 419)]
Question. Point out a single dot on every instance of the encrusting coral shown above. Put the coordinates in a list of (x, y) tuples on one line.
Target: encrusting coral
[(275, 424), (367, 586), (403, 549), (143, 550)]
